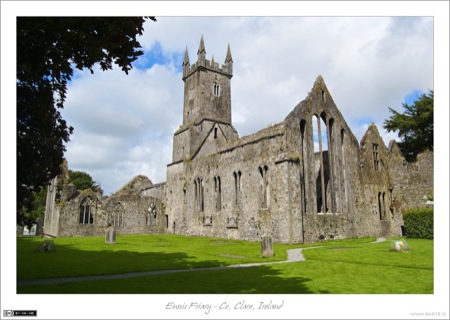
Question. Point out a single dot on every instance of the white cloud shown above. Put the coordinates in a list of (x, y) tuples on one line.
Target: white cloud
[(126, 123), (123, 123)]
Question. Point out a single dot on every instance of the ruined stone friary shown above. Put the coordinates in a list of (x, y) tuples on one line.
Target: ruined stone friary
[(274, 181)]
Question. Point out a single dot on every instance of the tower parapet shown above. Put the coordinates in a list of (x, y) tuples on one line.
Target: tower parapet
[(202, 62)]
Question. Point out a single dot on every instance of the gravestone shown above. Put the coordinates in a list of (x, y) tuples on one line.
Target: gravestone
[(266, 246), (110, 235), (46, 246)]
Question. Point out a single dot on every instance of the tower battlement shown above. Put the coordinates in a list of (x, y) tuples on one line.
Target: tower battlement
[(226, 68)]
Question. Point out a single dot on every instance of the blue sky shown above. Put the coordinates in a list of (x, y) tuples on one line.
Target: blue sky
[(414, 96), (155, 55)]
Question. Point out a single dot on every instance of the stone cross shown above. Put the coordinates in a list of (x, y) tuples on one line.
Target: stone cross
[(110, 235), (266, 246)]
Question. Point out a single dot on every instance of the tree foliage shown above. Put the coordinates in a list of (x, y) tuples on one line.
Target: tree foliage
[(48, 49), (415, 126), (31, 214), (82, 181)]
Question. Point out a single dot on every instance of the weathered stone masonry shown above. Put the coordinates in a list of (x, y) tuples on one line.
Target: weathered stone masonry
[(302, 180)]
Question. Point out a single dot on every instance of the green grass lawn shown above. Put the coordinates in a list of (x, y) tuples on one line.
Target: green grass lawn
[(81, 256), (341, 266)]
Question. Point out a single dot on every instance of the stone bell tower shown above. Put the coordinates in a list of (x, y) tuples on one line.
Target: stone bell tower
[(206, 107), (207, 92)]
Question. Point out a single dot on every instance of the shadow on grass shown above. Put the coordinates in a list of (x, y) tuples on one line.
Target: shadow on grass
[(250, 280), (68, 261)]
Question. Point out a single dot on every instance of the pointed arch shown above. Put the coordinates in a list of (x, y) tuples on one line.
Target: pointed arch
[(116, 216), (152, 215), (87, 211)]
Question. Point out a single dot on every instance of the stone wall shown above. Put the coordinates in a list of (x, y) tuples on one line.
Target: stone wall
[(242, 167), (129, 214), (412, 183)]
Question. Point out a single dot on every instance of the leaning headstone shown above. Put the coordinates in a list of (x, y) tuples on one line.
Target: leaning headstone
[(400, 246), (110, 235), (46, 246), (266, 246)]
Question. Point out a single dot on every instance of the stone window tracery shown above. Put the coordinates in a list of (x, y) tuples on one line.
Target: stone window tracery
[(87, 210), (152, 215), (116, 216)]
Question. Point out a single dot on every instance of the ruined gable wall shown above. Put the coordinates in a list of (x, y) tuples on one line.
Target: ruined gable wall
[(374, 190), (412, 182), (69, 217), (336, 216)]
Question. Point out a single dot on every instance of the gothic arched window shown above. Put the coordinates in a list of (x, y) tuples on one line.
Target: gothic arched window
[(116, 216), (87, 210), (151, 215)]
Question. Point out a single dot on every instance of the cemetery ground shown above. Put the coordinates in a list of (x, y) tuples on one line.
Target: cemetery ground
[(354, 266)]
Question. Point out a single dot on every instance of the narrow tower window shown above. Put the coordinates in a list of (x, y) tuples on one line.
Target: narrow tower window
[(216, 90), (376, 159)]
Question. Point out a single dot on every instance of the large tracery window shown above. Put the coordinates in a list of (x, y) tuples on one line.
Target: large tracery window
[(87, 210), (116, 216)]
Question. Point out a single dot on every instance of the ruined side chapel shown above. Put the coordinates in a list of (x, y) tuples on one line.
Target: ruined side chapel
[(274, 181)]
